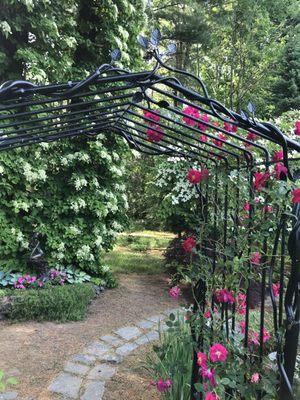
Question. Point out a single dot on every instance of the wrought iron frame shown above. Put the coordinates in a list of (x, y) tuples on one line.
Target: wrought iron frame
[(112, 101)]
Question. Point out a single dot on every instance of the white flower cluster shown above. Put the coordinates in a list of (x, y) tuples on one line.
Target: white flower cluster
[(105, 155), (98, 242), (84, 253), (33, 176), (175, 171), (1, 170), (116, 226), (117, 171), (20, 238), (77, 205), (74, 230), (79, 182), (78, 156), (20, 205)]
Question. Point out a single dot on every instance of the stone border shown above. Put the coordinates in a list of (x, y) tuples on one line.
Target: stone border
[(85, 374)]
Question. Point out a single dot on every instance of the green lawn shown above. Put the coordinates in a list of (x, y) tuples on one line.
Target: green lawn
[(139, 252)]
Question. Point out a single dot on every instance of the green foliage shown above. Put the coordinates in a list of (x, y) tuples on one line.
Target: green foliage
[(173, 358), (236, 47), (71, 191), (55, 303)]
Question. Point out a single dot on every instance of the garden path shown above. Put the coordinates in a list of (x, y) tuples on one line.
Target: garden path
[(37, 352)]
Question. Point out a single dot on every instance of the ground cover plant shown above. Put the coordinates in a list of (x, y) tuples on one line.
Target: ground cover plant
[(53, 303)]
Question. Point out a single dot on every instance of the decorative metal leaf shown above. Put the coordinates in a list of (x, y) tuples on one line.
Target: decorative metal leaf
[(137, 97), (172, 48), (143, 41), (163, 104), (155, 37), (116, 55), (251, 107), (244, 115)]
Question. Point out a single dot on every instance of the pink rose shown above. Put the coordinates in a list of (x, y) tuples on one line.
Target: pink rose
[(174, 292), (280, 171), (154, 135), (212, 396), (276, 289), (218, 353), (201, 359), (163, 386), (260, 180), (193, 112), (296, 196), (255, 378), (255, 258), (151, 115)]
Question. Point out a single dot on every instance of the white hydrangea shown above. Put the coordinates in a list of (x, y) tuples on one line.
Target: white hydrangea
[(98, 241), (118, 227), (33, 176), (39, 204), (20, 205), (80, 182), (74, 230), (84, 253), (76, 205), (115, 170), (1, 170)]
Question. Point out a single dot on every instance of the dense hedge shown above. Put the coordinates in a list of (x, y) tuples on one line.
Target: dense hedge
[(56, 303)]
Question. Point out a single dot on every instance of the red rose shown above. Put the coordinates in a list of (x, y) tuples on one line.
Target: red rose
[(189, 244), (296, 196), (260, 180), (194, 176)]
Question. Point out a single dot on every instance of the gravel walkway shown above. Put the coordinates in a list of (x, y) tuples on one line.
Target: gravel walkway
[(74, 360)]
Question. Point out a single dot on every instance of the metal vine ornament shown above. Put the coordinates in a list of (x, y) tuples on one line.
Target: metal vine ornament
[(157, 113)]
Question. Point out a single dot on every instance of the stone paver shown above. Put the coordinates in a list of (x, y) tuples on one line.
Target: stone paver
[(93, 391), (111, 358), (8, 395), (67, 385), (77, 369), (102, 372), (84, 359), (126, 349), (129, 332), (147, 338), (112, 340), (97, 349), (145, 324), (110, 351)]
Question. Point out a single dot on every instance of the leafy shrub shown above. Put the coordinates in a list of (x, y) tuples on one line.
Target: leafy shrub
[(55, 303)]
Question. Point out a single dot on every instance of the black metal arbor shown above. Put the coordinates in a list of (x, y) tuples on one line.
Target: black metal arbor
[(114, 101)]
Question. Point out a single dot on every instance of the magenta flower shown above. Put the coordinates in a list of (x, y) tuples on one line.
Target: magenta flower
[(278, 156), (194, 176), (193, 112), (267, 209), (189, 244), (163, 386), (218, 353), (210, 375), (203, 138), (276, 289), (297, 128), (296, 196), (212, 396), (153, 135), (241, 303), (201, 359), (260, 180), (174, 292), (255, 258), (151, 115), (280, 171), (224, 296), (204, 118)]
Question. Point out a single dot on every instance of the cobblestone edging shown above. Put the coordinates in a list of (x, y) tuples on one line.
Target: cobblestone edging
[(85, 374)]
